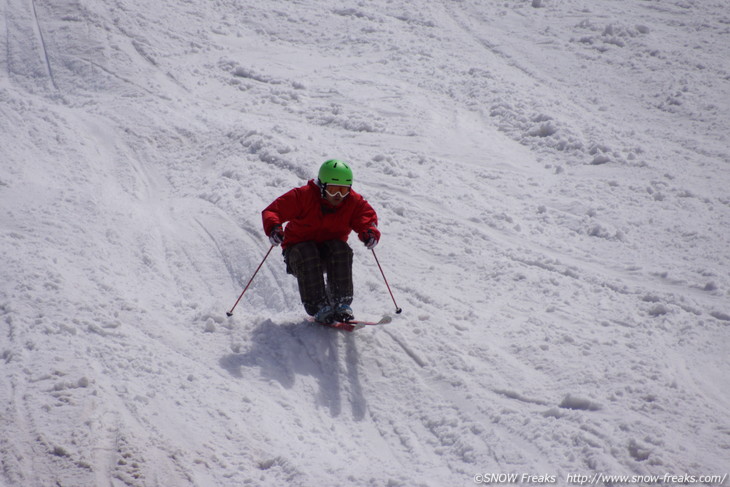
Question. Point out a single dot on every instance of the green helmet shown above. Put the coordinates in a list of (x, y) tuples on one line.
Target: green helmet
[(335, 172)]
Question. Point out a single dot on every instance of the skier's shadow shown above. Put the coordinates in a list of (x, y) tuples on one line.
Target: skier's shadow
[(284, 351)]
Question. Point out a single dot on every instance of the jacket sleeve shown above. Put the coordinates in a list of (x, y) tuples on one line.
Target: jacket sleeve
[(283, 209), (364, 218)]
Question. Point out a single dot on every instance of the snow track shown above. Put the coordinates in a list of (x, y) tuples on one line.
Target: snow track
[(551, 180)]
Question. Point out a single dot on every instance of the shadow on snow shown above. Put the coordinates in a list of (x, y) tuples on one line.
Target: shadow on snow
[(284, 351)]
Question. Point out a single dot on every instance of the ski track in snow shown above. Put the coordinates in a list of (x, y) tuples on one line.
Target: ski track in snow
[(551, 179)]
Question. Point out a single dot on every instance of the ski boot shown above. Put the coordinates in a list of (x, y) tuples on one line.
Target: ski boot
[(343, 313), (325, 315)]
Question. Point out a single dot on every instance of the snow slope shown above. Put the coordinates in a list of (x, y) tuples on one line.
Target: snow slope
[(551, 178)]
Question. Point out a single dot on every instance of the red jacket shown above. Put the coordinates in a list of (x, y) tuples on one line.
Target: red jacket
[(310, 217)]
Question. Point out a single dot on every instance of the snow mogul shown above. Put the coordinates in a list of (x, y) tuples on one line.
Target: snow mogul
[(312, 224)]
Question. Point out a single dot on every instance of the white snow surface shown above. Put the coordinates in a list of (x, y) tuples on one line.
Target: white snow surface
[(551, 178)]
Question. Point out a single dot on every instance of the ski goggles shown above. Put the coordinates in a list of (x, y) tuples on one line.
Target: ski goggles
[(337, 190)]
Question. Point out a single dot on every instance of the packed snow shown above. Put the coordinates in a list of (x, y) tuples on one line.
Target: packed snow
[(551, 178)]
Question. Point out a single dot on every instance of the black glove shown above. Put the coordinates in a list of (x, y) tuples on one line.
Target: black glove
[(277, 235), (370, 238)]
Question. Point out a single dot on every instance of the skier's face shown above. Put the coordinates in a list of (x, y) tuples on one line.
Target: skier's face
[(336, 194)]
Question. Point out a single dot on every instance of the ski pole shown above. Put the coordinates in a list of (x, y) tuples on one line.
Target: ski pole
[(230, 313), (397, 309)]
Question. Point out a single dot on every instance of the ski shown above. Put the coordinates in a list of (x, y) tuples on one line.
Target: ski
[(352, 325)]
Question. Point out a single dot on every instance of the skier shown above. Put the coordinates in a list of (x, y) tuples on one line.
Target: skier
[(319, 217)]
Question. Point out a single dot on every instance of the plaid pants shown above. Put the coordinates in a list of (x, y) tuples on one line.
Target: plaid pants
[(308, 261)]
